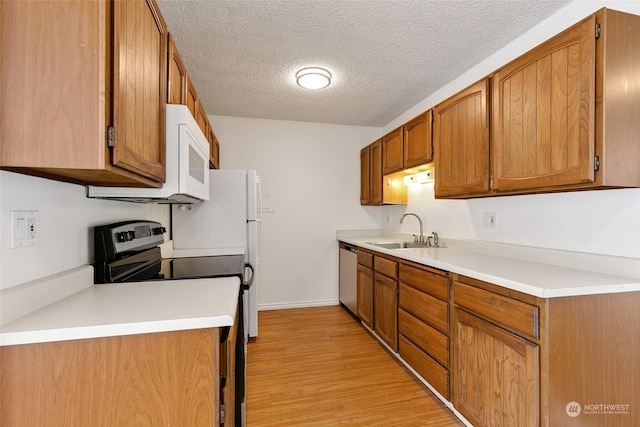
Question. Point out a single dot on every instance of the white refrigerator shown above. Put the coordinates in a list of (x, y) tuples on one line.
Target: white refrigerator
[(231, 218)]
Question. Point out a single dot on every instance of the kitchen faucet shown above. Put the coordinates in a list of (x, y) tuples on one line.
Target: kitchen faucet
[(416, 239)]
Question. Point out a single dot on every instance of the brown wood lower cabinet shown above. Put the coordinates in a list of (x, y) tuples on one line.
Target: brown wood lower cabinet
[(385, 297), (506, 358), (364, 304), (519, 360), (168, 378), (423, 324), (498, 375)]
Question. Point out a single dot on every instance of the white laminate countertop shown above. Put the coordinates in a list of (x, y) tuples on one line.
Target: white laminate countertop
[(127, 309), (515, 271)]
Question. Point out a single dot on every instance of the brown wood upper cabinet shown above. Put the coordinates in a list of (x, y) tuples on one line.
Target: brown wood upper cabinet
[(461, 142), (214, 150), (418, 147), (105, 69), (371, 192), (563, 116), (544, 112), (180, 90), (177, 75), (409, 145), (392, 152)]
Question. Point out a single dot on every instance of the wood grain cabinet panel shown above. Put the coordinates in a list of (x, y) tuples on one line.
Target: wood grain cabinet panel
[(461, 143), (214, 149), (563, 115), (517, 315), (192, 100), (431, 281), (365, 292), (418, 146), (543, 114), (376, 189), (497, 381), (425, 365), (376, 173), (106, 65), (169, 378), (371, 174), (365, 175), (176, 76), (386, 266), (392, 152), (425, 307), (139, 94), (431, 341), (386, 309)]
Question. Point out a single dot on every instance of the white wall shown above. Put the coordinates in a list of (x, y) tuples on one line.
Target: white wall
[(606, 222), (66, 218), (312, 173)]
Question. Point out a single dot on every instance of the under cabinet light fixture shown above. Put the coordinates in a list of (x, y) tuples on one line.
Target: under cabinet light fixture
[(313, 78), (418, 178)]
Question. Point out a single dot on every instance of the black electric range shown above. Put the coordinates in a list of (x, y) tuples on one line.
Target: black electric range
[(128, 252)]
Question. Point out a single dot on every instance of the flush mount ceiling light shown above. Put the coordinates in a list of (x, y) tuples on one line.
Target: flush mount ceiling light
[(313, 78)]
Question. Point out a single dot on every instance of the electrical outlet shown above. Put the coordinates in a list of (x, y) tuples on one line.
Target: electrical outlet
[(25, 229), (389, 219), (490, 220)]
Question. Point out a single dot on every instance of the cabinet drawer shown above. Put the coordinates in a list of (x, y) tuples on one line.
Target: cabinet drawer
[(509, 312), (386, 266), (425, 307), (431, 341), (424, 365), (365, 258), (433, 284)]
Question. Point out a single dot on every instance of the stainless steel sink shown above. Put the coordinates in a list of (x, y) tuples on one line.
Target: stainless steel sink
[(397, 245)]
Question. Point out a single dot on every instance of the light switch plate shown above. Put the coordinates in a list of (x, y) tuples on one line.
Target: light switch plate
[(25, 229)]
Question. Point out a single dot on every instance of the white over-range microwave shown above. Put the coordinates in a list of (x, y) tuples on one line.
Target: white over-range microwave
[(187, 165)]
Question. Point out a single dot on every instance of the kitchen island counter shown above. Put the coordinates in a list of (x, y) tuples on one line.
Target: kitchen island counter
[(92, 311), (535, 271)]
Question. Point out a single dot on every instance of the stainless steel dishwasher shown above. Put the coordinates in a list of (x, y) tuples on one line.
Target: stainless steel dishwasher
[(348, 276)]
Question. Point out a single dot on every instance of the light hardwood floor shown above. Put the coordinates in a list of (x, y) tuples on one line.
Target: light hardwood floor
[(320, 367)]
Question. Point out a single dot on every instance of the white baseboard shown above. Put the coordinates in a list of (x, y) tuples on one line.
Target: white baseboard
[(297, 304)]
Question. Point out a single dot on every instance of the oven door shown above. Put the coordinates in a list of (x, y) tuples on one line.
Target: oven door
[(193, 161)]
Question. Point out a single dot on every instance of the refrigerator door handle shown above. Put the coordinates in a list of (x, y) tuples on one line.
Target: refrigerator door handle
[(247, 285)]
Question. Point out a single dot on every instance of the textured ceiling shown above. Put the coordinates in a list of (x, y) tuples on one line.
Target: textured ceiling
[(385, 55)]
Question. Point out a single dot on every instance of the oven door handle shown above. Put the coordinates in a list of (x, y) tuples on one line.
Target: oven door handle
[(247, 285)]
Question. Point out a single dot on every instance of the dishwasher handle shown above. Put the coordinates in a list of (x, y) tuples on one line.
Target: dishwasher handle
[(349, 247)]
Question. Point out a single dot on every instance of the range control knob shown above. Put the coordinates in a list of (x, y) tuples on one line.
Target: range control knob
[(159, 230), (125, 236)]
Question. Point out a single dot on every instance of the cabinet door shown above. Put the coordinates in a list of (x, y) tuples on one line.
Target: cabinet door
[(418, 148), (376, 173), (201, 118), (192, 97), (497, 375), (461, 143), (365, 295), (176, 76), (386, 309), (392, 147), (139, 87), (214, 150), (365, 175), (543, 114)]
